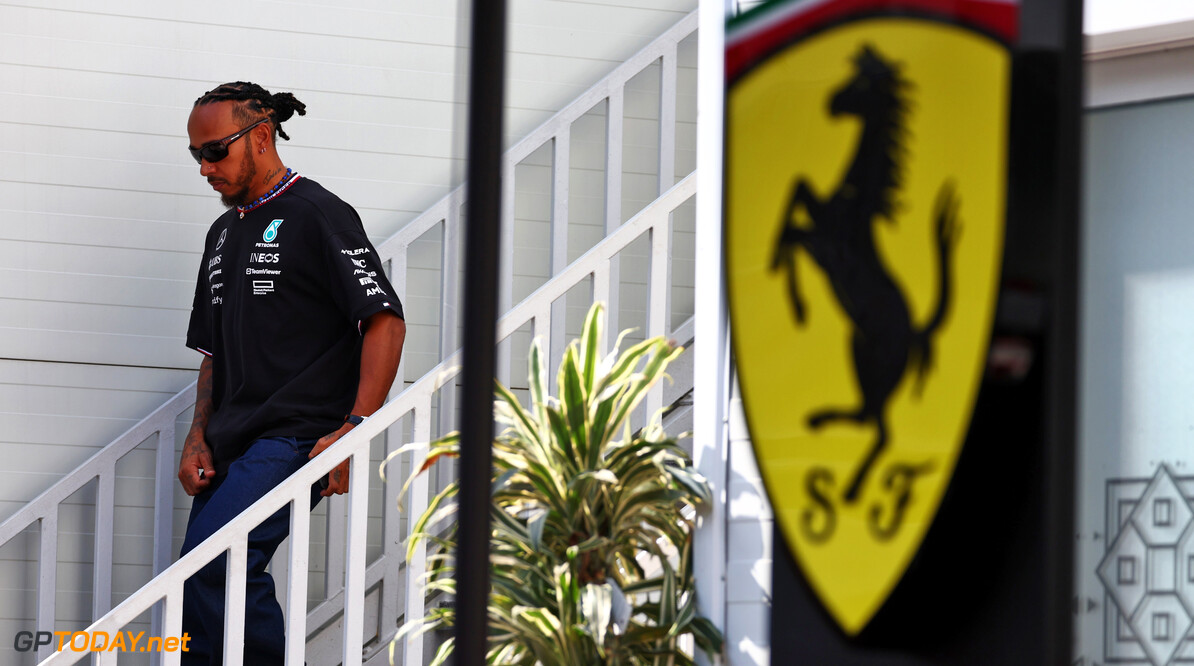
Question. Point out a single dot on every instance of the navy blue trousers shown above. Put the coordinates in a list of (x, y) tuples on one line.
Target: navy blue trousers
[(266, 463)]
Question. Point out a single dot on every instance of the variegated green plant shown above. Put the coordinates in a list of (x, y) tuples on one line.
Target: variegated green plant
[(591, 542)]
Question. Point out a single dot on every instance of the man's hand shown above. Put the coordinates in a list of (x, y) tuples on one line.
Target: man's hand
[(338, 477), (196, 455), (196, 452)]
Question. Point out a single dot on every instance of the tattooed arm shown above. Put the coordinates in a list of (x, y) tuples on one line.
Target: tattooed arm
[(196, 454)]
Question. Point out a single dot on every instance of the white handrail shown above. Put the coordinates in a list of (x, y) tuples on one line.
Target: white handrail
[(295, 490), (610, 86)]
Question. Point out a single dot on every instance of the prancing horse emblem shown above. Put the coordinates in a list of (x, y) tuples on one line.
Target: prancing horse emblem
[(839, 234)]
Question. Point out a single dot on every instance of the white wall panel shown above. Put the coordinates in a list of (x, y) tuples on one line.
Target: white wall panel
[(55, 415), (94, 100)]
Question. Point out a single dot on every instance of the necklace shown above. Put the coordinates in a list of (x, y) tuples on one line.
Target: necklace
[(287, 180)]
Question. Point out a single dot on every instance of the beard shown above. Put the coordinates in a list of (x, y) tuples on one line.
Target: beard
[(240, 195)]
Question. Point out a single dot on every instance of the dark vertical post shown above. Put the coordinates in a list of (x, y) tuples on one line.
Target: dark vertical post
[(1054, 29), (483, 215)]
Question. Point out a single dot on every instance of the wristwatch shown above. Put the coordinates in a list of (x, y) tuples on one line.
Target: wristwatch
[(354, 419)]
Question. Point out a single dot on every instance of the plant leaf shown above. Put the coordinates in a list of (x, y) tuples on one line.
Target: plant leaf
[(535, 527), (590, 342), (602, 475), (693, 481), (596, 606), (442, 654)]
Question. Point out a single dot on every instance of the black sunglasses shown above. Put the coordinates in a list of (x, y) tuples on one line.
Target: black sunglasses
[(214, 151)]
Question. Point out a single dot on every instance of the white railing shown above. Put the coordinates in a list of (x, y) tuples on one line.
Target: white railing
[(557, 132), (416, 401), (44, 510), (387, 572)]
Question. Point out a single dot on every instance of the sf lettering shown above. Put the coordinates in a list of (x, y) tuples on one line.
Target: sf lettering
[(884, 516)]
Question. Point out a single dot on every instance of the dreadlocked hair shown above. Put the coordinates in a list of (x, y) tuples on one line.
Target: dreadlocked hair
[(255, 102)]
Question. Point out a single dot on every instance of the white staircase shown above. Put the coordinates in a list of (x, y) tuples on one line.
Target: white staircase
[(367, 586)]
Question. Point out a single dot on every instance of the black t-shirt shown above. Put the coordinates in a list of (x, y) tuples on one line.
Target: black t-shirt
[(279, 303)]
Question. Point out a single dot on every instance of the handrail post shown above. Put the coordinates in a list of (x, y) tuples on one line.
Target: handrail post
[(659, 295), (390, 607), (506, 268), (398, 266), (296, 582), (600, 289), (412, 650), (172, 619), (354, 553), (449, 319), (105, 509), (163, 511), (614, 124), (560, 172), (234, 601), (337, 532), (47, 575), (667, 119)]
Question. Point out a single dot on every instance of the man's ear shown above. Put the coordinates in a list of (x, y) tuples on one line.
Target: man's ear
[(261, 137)]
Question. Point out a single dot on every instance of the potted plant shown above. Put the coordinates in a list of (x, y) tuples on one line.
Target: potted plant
[(591, 535)]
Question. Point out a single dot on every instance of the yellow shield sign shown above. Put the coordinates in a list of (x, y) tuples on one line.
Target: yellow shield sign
[(866, 169)]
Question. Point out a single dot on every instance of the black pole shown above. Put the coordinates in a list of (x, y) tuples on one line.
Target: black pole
[(483, 213)]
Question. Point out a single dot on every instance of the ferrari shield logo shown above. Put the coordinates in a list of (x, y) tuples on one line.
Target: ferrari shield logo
[(865, 200)]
